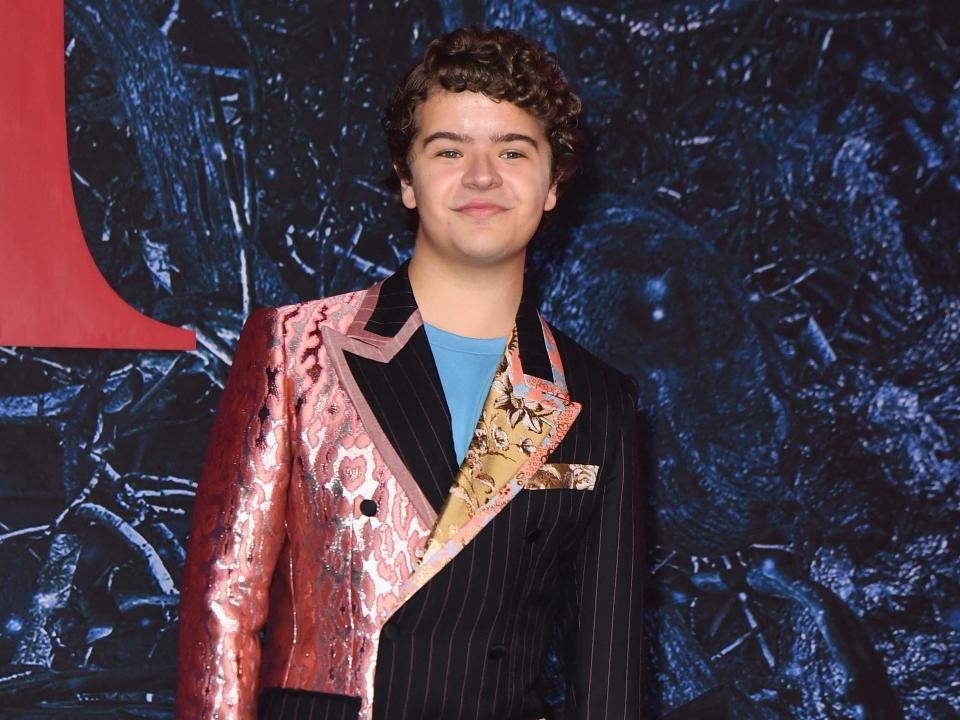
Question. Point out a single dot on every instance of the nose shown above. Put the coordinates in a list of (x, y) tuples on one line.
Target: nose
[(481, 172)]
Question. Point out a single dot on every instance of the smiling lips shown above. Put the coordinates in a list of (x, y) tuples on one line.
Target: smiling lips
[(480, 209)]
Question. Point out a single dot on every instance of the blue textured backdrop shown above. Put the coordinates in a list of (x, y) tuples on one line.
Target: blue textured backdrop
[(765, 235)]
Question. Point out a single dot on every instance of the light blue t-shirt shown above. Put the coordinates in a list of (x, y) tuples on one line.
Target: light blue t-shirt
[(466, 366)]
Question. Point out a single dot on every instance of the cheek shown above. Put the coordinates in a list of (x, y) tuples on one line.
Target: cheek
[(433, 187), (539, 194), (541, 181)]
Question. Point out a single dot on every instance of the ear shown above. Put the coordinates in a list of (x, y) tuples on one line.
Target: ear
[(407, 195), (550, 202)]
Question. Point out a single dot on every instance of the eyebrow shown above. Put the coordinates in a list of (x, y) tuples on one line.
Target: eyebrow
[(466, 139)]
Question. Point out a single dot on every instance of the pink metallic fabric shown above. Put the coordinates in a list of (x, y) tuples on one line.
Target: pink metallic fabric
[(278, 536)]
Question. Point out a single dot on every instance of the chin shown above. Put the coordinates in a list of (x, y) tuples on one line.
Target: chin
[(489, 243), (487, 254)]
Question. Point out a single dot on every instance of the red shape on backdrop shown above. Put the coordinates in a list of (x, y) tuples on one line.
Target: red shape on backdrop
[(51, 292)]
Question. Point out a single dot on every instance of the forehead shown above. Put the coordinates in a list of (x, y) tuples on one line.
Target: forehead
[(474, 114)]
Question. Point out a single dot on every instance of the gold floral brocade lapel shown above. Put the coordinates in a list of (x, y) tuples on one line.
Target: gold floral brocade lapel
[(511, 428)]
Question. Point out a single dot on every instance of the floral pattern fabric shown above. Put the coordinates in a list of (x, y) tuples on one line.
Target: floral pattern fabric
[(515, 422), (563, 476)]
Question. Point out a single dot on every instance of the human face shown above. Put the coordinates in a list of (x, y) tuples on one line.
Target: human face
[(480, 178)]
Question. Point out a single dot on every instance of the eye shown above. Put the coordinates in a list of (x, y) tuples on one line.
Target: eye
[(451, 154), (511, 155)]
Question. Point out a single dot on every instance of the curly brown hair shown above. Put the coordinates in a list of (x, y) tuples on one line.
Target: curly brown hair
[(503, 65)]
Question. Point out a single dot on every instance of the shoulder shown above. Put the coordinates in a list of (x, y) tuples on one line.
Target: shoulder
[(592, 379), (289, 322)]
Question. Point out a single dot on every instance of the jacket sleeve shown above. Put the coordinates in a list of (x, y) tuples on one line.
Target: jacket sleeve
[(604, 680), (237, 532)]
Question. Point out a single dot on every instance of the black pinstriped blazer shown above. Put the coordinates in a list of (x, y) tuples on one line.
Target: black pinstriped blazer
[(556, 571)]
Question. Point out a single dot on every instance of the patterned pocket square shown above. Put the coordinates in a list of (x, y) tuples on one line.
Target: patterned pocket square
[(563, 476)]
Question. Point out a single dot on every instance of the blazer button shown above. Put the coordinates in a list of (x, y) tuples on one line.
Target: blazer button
[(533, 535), (368, 507), (497, 652)]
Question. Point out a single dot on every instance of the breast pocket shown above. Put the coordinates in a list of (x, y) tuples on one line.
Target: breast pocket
[(563, 476)]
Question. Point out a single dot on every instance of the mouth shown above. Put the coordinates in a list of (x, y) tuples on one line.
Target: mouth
[(480, 209)]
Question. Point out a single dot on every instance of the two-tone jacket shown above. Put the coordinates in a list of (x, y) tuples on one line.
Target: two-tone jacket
[(341, 564)]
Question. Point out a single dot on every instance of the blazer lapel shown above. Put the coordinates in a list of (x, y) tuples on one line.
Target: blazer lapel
[(524, 418), (386, 366)]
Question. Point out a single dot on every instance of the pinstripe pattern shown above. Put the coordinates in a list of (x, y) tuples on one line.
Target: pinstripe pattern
[(472, 643), (284, 704), (407, 398)]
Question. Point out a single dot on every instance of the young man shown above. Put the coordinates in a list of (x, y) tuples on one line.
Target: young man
[(421, 488)]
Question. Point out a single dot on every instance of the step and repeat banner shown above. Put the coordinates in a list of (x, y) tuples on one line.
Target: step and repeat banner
[(764, 236)]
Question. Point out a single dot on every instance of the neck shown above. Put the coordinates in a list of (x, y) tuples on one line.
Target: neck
[(478, 301)]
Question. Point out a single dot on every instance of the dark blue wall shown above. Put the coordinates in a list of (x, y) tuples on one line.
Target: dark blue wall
[(765, 235)]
